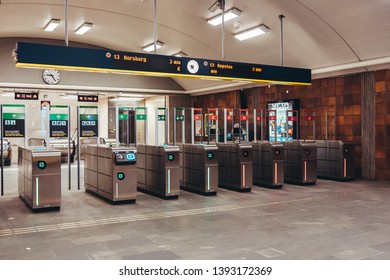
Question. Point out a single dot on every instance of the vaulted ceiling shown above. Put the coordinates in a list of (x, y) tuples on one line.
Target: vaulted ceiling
[(330, 37)]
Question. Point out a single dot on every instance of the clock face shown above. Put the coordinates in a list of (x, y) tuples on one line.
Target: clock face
[(193, 66), (51, 76)]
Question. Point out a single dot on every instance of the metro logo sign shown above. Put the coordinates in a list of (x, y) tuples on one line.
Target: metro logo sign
[(213, 117), (229, 117), (197, 117), (244, 118)]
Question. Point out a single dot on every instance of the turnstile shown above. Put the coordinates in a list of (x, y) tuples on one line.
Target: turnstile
[(39, 177), (111, 173), (268, 164), (235, 166), (300, 162), (199, 168), (62, 145), (335, 160), (159, 170)]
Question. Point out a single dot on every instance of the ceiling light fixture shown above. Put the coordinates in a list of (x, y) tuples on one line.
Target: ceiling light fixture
[(150, 48), (69, 96), (231, 14), (82, 29), (253, 32), (180, 54), (52, 24)]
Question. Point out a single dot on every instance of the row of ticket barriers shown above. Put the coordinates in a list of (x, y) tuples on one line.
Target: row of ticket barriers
[(116, 174)]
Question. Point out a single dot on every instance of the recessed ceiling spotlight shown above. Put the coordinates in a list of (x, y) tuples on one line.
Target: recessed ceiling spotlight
[(237, 24)]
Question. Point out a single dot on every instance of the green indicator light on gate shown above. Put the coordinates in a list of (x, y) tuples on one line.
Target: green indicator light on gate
[(120, 176), (42, 164), (171, 157), (180, 118), (210, 155)]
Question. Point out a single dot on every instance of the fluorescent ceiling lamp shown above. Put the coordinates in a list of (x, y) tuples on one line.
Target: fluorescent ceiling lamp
[(231, 14), (127, 99), (69, 96), (86, 26), (180, 54), (250, 33), (150, 48), (53, 24), (130, 95), (8, 94)]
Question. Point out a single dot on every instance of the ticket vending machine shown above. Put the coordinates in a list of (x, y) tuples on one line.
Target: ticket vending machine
[(39, 177), (111, 173)]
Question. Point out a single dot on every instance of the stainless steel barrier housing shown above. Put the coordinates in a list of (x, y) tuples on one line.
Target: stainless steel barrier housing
[(235, 166), (300, 162), (111, 173), (159, 170), (39, 177), (200, 168), (268, 164), (335, 160), (62, 145)]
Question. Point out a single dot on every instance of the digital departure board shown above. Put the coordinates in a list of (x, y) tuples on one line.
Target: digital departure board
[(86, 59)]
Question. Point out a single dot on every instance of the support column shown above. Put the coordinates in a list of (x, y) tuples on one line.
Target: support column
[(368, 124)]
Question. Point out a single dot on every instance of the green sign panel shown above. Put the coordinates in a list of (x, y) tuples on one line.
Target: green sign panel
[(13, 124), (120, 175), (13, 116), (161, 117), (89, 125), (42, 164), (179, 118), (141, 117), (210, 155), (59, 125), (171, 157), (122, 117), (59, 117)]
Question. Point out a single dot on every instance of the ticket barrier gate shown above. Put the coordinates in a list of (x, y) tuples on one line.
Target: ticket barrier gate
[(39, 177), (200, 168), (159, 170), (335, 160), (111, 173), (268, 164), (300, 162), (62, 145), (235, 166)]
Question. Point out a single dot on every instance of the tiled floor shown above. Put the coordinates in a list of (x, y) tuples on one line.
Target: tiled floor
[(331, 220)]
